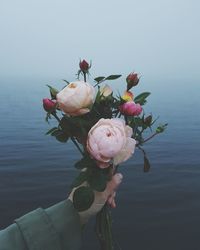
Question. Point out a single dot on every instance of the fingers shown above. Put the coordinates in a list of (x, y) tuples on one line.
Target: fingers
[(111, 189), (114, 183), (111, 200)]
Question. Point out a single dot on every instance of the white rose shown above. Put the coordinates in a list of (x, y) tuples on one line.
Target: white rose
[(76, 98), (105, 91)]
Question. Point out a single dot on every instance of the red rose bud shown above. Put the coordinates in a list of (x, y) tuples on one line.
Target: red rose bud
[(84, 66), (132, 80), (48, 105), (148, 120)]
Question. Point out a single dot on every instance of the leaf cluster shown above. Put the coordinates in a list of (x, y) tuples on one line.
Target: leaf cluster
[(90, 179)]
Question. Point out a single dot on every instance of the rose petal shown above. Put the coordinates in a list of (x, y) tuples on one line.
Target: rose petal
[(126, 152)]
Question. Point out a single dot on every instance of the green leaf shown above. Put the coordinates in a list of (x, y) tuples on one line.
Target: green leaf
[(83, 198), (66, 81), (51, 130), (79, 179), (146, 164), (97, 179), (60, 135), (53, 91), (85, 162), (99, 79), (161, 128), (141, 99), (98, 97), (113, 77)]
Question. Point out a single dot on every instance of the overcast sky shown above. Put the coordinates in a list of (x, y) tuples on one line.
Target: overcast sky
[(158, 38)]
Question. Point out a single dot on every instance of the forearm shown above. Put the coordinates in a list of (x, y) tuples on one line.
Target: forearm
[(57, 227)]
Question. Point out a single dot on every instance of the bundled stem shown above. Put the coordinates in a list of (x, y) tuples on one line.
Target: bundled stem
[(103, 228)]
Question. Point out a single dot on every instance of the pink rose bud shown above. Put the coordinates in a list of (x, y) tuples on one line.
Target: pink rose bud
[(130, 108), (48, 105), (84, 66), (132, 80)]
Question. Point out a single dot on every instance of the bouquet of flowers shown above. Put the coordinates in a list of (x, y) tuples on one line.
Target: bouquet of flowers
[(106, 129)]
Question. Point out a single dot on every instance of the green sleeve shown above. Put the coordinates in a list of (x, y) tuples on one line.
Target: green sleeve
[(54, 228)]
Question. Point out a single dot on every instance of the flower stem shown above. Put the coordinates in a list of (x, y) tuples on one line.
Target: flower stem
[(72, 138), (76, 144), (55, 115), (84, 75), (149, 138), (104, 228)]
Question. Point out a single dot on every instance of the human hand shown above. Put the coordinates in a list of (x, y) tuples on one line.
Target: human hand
[(108, 195)]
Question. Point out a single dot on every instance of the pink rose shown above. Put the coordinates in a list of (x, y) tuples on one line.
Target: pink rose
[(48, 104), (76, 98), (109, 140), (130, 108)]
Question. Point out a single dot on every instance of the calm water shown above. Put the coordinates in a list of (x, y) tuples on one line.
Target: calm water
[(157, 210)]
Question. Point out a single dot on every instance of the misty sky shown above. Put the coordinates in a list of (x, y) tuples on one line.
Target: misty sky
[(158, 38)]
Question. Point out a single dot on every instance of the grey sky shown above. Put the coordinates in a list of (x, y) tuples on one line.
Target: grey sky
[(158, 38)]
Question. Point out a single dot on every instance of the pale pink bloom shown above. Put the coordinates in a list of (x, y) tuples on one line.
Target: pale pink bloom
[(105, 91), (76, 98), (130, 108), (109, 141)]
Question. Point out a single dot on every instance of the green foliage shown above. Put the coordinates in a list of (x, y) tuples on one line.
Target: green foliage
[(85, 162), (51, 130), (66, 81), (161, 128), (53, 91), (113, 77), (141, 98), (99, 79), (83, 198), (75, 126), (97, 179), (59, 134), (146, 164), (79, 179)]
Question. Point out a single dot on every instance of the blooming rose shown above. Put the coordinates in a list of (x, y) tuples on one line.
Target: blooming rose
[(130, 108), (110, 140), (48, 104), (105, 91), (76, 98)]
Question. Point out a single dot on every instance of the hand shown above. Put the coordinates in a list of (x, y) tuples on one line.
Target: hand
[(101, 198)]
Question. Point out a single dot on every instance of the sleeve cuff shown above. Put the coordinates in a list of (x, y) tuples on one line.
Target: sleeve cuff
[(38, 231)]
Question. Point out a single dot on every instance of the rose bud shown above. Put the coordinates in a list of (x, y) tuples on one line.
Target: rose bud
[(84, 66), (76, 98), (109, 141), (148, 120), (130, 108), (127, 96), (106, 91), (132, 80), (48, 105)]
